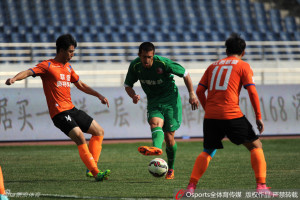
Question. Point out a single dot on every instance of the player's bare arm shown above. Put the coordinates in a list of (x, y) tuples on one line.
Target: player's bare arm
[(189, 85), (88, 90), (20, 76), (201, 95), (254, 98), (132, 94)]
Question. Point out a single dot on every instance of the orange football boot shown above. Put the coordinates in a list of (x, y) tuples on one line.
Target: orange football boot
[(150, 151), (170, 174)]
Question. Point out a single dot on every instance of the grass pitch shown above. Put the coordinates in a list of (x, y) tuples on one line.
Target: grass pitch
[(56, 172)]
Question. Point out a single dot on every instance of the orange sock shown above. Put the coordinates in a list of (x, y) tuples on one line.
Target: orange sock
[(259, 165), (95, 147), (87, 158), (2, 189), (200, 167)]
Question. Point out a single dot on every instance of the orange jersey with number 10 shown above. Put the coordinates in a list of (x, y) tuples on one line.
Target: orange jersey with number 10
[(224, 80), (57, 79)]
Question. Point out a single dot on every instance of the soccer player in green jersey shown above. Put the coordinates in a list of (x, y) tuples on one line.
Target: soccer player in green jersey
[(164, 107)]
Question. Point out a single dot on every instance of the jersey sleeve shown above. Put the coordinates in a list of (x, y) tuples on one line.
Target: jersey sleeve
[(40, 68), (247, 76), (173, 67), (254, 98), (131, 76), (74, 76), (204, 80)]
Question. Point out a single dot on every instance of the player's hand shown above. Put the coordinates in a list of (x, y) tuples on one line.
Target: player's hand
[(194, 101), (136, 98), (260, 125), (10, 81), (104, 101)]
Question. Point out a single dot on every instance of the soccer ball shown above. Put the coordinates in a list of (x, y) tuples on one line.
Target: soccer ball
[(158, 167)]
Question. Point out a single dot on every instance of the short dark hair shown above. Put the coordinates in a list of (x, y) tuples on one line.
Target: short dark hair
[(146, 46), (64, 42), (235, 44)]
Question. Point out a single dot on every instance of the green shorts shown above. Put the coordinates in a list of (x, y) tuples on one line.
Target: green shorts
[(171, 113)]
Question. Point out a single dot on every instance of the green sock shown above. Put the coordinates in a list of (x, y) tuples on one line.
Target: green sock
[(158, 137), (171, 153)]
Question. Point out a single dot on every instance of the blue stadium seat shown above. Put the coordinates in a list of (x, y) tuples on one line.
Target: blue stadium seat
[(246, 36), (87, 37), (2, 38), (216, 36), (261, 16), (271, 36), (256, 36), (91, 29), (131, 37), (80, 30), (30, 38), (202, 37), (290, 24), (158, 37), (172, 36), (275, 20), (284, 36), (116, 37), (16, 37), (296, 36), (44, 37)]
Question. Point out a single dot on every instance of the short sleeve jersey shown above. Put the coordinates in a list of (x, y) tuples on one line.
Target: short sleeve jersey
[(158, 81), (224, 80), (56, 79)]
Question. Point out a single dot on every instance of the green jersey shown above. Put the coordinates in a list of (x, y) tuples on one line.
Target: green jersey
[(158, 81)]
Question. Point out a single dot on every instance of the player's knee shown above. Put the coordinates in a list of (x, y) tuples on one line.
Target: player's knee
[(77, 137), (99, 131), (154, 125), (211, 152)]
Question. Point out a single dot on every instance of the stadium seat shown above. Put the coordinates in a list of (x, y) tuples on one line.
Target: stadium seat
[(275, 20), (202, 37), (284, 36), (290, 24), (86, 37), (2, 38), (256, 36), (296, 36), (215, 36), (271, 36), (260, 16)]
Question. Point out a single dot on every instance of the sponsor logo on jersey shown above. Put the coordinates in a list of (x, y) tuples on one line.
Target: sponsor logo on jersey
[(152, 82)]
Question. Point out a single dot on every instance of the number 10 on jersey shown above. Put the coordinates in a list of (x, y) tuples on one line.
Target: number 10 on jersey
[(222, 77)]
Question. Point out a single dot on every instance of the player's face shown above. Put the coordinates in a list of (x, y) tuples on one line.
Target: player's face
[(69, 53), (146, 58)]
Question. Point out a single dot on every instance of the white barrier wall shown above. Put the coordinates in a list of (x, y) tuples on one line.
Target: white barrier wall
[(24, 113)]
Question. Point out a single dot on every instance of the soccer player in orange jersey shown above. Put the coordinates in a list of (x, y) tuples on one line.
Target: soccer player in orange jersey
[(57, 76), (223, 81), (2, 189)]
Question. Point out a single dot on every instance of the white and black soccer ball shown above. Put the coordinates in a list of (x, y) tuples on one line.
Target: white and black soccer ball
[(158, 167)]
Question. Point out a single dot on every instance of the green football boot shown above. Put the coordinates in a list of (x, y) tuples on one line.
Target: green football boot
[(90, 175), (102, 175)]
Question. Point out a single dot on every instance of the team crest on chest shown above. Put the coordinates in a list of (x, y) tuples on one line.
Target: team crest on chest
[(159, 70)]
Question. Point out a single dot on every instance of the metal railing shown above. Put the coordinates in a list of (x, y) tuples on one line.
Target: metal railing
[(111, 60), (126, 51)]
